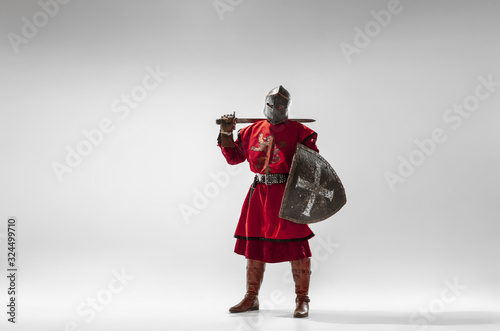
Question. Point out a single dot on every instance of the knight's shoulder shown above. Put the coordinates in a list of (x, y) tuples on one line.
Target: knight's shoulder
[(254, 126), (245, 132), (299, 125)]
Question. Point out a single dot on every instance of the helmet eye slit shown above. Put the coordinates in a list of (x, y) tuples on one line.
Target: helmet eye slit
[(269, 105)]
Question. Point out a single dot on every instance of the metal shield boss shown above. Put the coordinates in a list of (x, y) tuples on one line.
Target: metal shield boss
[(313, 190)]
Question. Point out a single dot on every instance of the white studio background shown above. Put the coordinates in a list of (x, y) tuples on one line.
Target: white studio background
[(407, 113)]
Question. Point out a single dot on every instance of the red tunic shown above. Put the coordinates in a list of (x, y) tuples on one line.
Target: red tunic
[(260, 233)]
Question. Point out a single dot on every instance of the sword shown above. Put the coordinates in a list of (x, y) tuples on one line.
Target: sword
[(253, 120)]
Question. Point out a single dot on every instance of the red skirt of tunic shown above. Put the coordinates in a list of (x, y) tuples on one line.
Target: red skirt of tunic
[(272, 252), (262, 235)]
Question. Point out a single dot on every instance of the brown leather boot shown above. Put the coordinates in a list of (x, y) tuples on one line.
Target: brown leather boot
[(301, 271), (255, 274)]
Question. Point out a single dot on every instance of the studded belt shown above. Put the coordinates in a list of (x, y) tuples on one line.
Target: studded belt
[(270, 179)]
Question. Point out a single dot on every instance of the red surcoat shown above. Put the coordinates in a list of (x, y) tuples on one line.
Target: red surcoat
[(268, 149)]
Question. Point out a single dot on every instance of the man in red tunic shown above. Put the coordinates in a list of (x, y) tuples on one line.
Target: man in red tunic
[(261, 236)]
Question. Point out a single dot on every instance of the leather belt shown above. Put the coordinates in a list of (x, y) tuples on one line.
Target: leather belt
[(270, 179)]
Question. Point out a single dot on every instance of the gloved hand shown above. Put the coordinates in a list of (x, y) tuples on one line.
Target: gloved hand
[(228, 123), (226, 130)]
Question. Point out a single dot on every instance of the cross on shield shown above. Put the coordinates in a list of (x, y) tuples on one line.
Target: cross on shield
[(313, 191)]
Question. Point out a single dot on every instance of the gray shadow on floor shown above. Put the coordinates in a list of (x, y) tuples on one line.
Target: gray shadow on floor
[(403, 318)]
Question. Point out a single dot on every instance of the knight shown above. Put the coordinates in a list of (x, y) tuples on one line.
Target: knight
[(262, 237)]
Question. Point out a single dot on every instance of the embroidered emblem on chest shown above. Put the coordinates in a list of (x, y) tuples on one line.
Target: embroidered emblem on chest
[(267, 145), (264, 143)]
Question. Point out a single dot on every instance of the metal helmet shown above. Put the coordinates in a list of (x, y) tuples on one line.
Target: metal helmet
[(278, 101)]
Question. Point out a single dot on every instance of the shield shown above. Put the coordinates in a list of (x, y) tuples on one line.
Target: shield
[(313, 190)]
